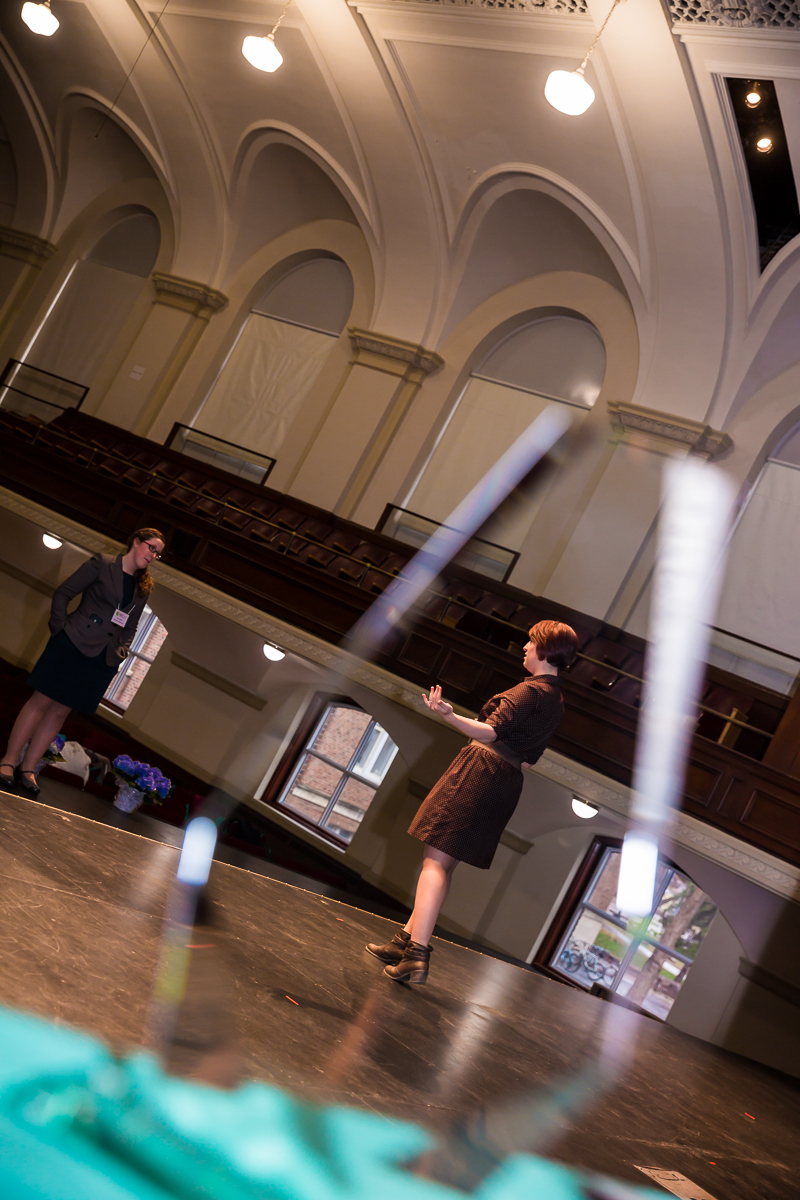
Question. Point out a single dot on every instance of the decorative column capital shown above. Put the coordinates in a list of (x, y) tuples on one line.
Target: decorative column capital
[(188, 296), (393, 355), (666, 432), (27, 247)]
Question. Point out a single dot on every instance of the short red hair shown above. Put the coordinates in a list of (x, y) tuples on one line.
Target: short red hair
[(555, 643)]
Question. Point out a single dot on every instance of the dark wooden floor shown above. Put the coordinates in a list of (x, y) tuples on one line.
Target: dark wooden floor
[(281, 990)]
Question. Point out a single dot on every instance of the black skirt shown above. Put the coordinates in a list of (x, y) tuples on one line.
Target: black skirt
[(69, 677)]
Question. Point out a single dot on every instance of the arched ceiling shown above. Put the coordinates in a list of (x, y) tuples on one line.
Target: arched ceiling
[(408, 110)]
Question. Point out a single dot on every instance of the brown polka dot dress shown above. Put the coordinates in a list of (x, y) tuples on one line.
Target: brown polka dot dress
[(468, 809)]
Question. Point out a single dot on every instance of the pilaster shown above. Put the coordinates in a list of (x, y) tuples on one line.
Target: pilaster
[(139, 392), (410, 364), (22, 256), (384, 377), (665, 433)]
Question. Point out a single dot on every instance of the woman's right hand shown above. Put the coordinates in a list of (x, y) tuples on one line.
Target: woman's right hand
[(435, 702)]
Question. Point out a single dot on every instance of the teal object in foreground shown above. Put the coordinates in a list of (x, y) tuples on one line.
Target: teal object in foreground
[(75, 1124)]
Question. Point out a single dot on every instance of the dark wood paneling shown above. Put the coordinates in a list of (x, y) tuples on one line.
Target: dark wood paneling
[(777, 816), (724, 788)]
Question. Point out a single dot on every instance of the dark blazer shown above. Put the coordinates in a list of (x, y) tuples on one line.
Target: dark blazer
[(89, 627)]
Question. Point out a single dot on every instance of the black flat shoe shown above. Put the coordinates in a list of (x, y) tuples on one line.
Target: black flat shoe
[(392, 952), (26, 780)]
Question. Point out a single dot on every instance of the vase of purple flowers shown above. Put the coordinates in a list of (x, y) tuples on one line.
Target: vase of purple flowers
[(137, 782)]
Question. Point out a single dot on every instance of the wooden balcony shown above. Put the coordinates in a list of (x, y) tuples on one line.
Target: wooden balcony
[(321, 573)]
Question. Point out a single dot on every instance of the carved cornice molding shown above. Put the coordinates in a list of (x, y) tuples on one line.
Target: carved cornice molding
[(698, 438), (737, 14), (562, 7), (26, 247), (748, 862), (62, 527), (393, 355), (188, 296)]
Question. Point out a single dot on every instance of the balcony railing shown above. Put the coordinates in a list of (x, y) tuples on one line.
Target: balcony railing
[(320, 573)]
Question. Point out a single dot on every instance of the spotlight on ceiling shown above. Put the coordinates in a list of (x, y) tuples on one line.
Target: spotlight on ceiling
[(52, 543), (753, 98), (261, 52), (39, 19), (764, 143), (582, 808), (273, 653), (568, 91)]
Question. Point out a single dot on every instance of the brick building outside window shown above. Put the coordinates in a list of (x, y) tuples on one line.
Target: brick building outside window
[(338, 771)]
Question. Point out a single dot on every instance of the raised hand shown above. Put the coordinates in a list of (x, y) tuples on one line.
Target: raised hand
[(435, 702)]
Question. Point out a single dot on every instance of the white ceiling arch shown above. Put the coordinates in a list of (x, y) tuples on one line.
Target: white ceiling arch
[(515, 176), (32, 144), (265, 133)]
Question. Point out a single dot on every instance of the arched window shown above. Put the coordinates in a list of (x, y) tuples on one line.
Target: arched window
[(646, 961), (555, 358), (96, 299), (329, 776), (279, 353)]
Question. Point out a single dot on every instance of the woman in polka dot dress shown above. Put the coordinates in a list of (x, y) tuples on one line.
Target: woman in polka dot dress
[(462, 818)]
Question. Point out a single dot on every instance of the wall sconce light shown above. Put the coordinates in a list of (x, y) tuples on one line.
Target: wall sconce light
[(583, 808), (52, 543), (568, 91), (273, 653), (764, 143), (261, 52), (39, 19)]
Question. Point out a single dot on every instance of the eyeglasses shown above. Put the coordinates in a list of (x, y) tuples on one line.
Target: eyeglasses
[(153, 551)]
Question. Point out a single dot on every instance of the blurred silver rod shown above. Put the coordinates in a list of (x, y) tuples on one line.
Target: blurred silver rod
[(512, 467), (697, 504), (172, 970)]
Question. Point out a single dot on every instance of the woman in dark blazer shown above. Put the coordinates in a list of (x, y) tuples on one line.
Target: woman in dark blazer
[(85, 650), (462, 818)]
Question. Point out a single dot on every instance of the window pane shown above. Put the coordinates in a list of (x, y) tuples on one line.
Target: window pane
[(653, 979), (312, 789), (683, 917), (604, 893), (149, 639), (592, 951), (348, 811), (376, 755), (340, 732)]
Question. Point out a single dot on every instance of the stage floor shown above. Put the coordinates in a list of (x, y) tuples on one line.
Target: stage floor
[(282, 990)]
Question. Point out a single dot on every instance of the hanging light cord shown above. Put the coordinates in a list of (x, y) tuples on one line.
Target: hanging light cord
[(133, 68), (283, 14), (596, 40)]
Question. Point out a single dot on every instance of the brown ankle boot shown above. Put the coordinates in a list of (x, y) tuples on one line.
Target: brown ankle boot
[(413, 966), (392, 952)]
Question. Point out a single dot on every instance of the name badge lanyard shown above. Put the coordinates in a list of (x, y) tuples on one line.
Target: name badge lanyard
[(121, 615)]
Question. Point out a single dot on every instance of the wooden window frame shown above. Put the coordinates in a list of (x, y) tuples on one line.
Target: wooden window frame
[(566, 909), (298, 746)]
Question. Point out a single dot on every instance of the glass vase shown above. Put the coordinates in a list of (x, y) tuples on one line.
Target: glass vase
[(128, 798)]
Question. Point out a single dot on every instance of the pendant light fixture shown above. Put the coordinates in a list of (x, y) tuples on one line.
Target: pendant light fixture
[(568, 91), (261, 52), (39, 19)]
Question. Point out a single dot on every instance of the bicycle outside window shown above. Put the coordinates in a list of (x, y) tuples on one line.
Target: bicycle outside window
[(646, 960)]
